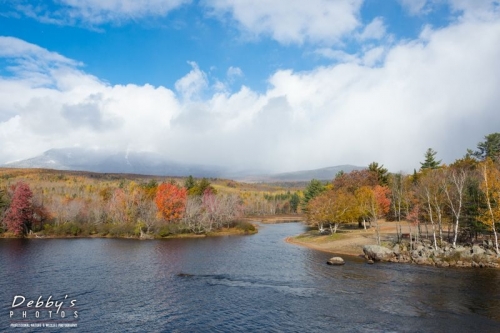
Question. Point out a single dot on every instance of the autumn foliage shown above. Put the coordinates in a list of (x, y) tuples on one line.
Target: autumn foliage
[(171, 201), (19, 216)]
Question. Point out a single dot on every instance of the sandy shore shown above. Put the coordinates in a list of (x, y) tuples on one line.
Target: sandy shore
[(347, 242)]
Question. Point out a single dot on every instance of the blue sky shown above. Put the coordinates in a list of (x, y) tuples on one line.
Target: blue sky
[(276, 84)]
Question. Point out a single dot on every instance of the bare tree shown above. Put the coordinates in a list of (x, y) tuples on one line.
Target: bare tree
[(453, 185)]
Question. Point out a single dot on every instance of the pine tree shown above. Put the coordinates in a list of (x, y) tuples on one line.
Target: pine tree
[(430, 160), (189, 183), (294, 202), (381, 173), (314, 188), (489, 148)]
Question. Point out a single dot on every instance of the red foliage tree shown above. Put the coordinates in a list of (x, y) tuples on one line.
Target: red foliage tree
[(354, 180), (382, 195), (19, 217), (171, 201)]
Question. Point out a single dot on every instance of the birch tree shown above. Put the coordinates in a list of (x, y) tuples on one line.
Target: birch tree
[(491, 187)]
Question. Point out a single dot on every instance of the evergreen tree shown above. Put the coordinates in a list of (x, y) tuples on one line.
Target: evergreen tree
[(200, 188), (189, 183), (489, 148), (294, 202), (430, 160), (314, 188), (381, 173)]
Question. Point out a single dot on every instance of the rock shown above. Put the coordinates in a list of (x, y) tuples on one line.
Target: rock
[(370, 262), (422, 261), (378, 253), (477, 250), (395, 249), (336, 261), (443, 264), (490, 252), (420, 248)]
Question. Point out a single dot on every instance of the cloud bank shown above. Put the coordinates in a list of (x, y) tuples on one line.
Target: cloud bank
[(386, 104)]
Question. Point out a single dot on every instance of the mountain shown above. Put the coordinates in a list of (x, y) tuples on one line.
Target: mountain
[(306, 175), (145, 163), (80, 159)]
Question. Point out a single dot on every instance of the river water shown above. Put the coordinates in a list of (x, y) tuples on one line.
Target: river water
[(254, 283)]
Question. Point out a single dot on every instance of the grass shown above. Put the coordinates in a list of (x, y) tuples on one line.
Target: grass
[(315, 237)]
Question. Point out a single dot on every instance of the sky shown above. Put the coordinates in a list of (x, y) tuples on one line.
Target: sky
[(275, 85)]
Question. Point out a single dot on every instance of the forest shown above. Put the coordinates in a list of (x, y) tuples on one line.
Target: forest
[(459, 202), (39, 203)]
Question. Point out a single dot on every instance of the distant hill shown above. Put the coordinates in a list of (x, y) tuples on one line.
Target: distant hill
[(145, 163), (306, 175)]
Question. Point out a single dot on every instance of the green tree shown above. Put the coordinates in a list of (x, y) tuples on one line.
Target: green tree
[(4, 204), (313, 189), (189, 183), (294, 202), (381, 173), (3, 200), (430, 160), (489, 148), (201, 187)]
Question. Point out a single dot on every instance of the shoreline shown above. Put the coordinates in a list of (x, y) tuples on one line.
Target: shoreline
[(221, 233), (350, 245)]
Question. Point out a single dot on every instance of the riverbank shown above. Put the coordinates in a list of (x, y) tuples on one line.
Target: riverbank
[(354, 242), (275, 219), (340, 243), (246, 229), (345, 241)]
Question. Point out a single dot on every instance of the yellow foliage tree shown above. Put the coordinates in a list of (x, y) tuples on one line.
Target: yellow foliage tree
[(332, 208), (490, 186)]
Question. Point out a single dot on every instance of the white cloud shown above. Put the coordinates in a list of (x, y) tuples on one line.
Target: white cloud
[(469, 8), (233, 72), (415, 7), (374, 30), (96, 12), (192, 84), (336, 55), (438, 91), (293, 21)]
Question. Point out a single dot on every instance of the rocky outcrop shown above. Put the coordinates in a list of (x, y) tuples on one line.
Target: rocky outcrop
[(423, 253), (378, 253), (336, 261)]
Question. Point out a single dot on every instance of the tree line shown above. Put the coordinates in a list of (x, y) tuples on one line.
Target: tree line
[(456, 203), (134, 209)]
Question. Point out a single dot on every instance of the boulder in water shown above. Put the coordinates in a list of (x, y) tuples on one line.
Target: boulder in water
[(378, 253), (335, 261)]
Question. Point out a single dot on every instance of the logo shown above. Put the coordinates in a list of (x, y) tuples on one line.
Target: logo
[(43, 312)]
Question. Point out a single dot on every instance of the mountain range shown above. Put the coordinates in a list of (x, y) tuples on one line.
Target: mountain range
[(146, 163)]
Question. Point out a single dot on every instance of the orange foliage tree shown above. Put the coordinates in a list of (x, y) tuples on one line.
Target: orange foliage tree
[(374, 202), (171, 201)]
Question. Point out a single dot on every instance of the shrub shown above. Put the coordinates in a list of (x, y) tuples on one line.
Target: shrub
[(247, 227)]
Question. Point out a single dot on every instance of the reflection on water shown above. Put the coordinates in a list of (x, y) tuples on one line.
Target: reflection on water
[(243, 283)]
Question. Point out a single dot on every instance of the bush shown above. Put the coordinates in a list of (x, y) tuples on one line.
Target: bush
[(247, 227), (164, 231)]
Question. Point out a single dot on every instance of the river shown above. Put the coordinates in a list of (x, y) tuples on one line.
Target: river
[(254, 283)]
